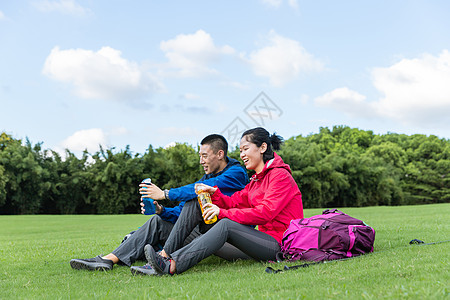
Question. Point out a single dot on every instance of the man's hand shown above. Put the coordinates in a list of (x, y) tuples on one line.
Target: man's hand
[(142, 207), (151, 191), (158, 207), (206, 188)]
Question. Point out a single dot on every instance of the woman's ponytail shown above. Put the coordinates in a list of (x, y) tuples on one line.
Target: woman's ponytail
[(276, 141)]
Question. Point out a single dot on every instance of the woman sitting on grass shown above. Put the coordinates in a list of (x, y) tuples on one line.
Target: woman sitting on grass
[(271, 200)]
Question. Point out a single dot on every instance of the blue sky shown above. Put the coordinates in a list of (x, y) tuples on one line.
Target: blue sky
[(78, 73)]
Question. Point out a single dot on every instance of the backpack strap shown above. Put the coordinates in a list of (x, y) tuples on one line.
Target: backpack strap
[(331, 211), (280, 256)]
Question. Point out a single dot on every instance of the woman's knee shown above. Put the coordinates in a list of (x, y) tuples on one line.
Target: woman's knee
[(225, 224)]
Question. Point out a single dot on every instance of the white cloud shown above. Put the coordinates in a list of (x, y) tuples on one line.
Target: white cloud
[(190, 96), (189, 55), (416, 92), (2, 16), (293, 4), (236, 85), (273, 3), (277, 3), (346, 100), (103, 74), (89, 139), (70, 7), (170, 145), (282, 60)]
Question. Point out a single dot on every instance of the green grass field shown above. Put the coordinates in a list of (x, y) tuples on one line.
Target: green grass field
[(35, 252)]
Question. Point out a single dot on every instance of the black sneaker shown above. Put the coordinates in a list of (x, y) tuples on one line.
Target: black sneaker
[(92, 264), (143, 270), (160, 264)]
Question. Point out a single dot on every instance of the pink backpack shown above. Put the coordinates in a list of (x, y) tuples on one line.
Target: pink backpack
[(332, 235)]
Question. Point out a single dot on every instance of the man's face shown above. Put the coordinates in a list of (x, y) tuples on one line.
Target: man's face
[(209, 160)]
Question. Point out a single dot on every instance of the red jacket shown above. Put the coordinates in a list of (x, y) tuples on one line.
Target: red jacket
[(271, 200)]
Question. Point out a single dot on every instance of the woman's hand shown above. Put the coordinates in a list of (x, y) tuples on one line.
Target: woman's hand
[(210, 210), (206, 188), (151, 191)]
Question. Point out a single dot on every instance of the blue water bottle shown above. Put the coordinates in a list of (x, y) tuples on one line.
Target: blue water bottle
[(148, 202)]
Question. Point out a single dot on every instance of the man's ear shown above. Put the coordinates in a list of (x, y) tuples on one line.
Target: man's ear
[(221, 154)]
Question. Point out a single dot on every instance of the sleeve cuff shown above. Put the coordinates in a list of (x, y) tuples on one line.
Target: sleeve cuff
[(222, 214), (216, 194)]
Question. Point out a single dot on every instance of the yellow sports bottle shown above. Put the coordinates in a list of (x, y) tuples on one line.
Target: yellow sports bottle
[(203, 198)]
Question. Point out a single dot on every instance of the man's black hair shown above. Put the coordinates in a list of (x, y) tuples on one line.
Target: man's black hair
[(216, 142)]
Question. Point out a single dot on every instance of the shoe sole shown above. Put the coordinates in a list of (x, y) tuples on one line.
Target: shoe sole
[(147, 251), (141, 273), (136, 272), (80, 265)]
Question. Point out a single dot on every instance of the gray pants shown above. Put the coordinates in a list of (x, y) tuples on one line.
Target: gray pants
[(154, 232), (246, 240)]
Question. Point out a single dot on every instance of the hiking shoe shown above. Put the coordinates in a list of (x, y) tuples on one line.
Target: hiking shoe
[(92, 264), (160, 264), (143, 270)]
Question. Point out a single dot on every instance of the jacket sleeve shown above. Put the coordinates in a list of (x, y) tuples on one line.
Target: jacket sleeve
[(171, 214), (232, 180), (238, 199), (276, 196)]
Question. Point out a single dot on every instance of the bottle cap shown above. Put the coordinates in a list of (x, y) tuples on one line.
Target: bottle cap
[(147, 181)]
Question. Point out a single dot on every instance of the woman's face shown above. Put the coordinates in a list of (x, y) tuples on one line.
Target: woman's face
[(252, 155)]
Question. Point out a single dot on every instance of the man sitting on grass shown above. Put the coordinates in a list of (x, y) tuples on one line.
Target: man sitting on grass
[(220, 170)]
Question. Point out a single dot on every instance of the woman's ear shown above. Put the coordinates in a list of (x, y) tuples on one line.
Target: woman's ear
[(263, 148)]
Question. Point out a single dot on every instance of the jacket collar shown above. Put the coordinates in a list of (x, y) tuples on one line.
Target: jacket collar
[(230, 162), (275, 162)]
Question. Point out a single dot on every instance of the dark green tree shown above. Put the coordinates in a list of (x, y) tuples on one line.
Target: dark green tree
[(70, 185), (114, 179), (26, 179)]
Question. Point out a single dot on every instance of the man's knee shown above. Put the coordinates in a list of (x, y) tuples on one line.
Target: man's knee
[(191, 209), (154, 220), (190, 205)]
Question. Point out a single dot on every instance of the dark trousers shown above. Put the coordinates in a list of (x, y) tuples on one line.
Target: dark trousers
[(190, 218), (154, 232), (243, 239), (256, 244)]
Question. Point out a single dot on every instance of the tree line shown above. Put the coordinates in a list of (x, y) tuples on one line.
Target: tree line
[(336, 167)]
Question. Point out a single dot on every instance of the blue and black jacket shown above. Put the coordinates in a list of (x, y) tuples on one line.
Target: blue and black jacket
[(231, 179)]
